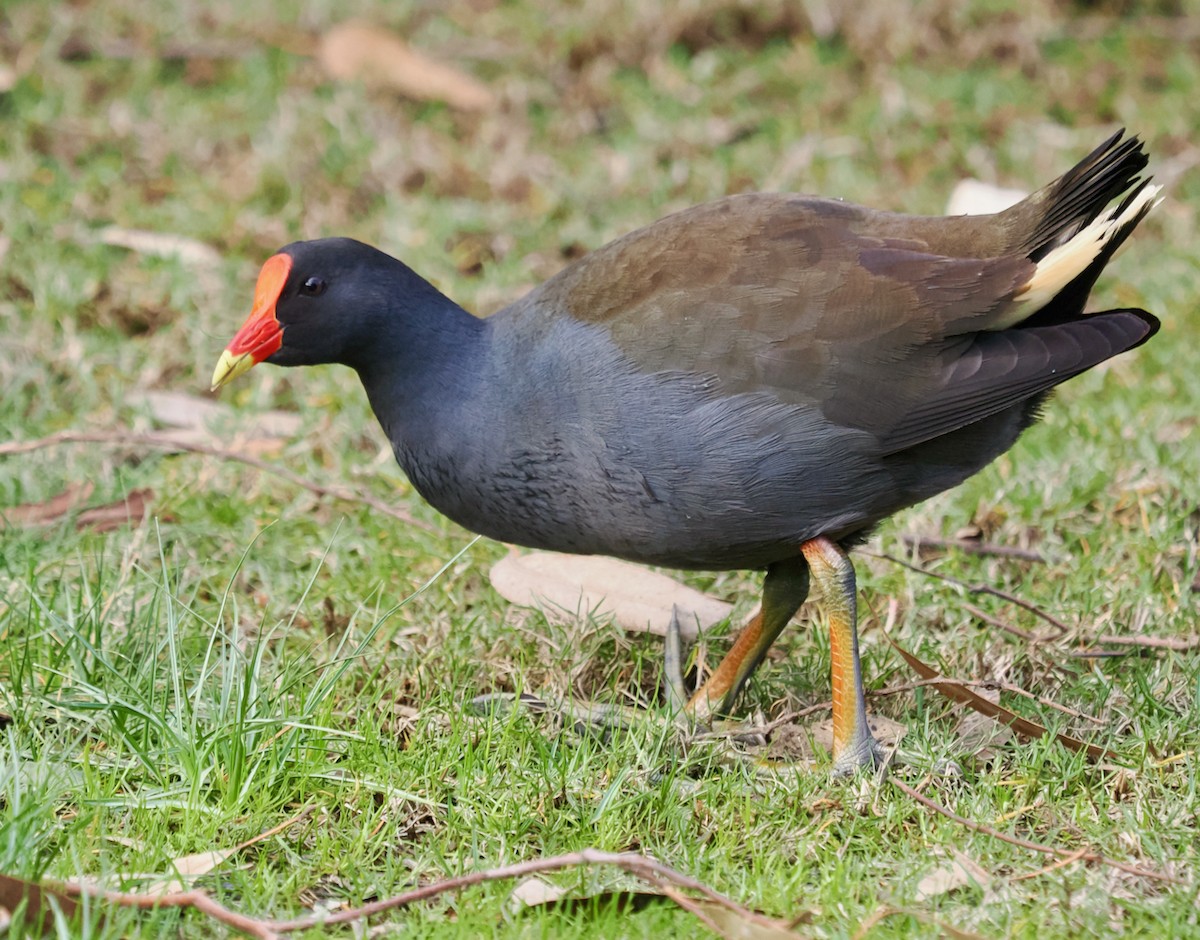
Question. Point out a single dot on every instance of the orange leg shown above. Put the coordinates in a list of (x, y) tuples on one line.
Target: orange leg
[(784, 590), (833, 574)]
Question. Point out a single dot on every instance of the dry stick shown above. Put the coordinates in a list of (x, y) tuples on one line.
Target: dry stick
[(1004, 625), (1087, 856), (1058, 625), (642, 867), (972, 547), (195, 898), (653, 872), (1175, 644), (785, 718), (1053, 866), (118, 438), (1181, 644), (682, 900)]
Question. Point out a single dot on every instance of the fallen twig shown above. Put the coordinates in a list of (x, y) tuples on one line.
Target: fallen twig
[(972, 547), (883, 913), (655, 873), (87, 47), (1059, 626), (1063, 862), (1175, 644), (1087, 856), (1005, 625), (1181, 644), (167, 442)]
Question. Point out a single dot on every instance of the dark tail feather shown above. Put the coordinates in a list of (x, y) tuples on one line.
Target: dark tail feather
[(1078, 196), (1069, 302)]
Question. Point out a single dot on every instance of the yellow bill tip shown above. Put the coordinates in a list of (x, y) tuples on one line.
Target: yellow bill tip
[(229, 367)]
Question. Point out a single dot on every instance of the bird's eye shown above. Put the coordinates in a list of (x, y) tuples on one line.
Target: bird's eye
[(313, 287)]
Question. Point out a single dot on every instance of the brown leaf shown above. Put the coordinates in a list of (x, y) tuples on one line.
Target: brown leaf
[(378, 57), (958, 872), (35, 514), (737, 927), (186, 869), (214, 419), (942, 881), (42, 899), (161, 244), (534, 892), (128, 511), (978, 735), (974, 197), (1023, 726), (568, 586), (131, 508), (948, 930)]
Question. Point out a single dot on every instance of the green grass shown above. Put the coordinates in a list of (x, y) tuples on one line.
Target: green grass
[(251, 649)]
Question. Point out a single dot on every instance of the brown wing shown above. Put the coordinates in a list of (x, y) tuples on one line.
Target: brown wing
[(798, 296)]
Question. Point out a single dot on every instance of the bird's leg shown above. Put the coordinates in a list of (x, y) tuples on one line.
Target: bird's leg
[(784, 590), (833, 575)]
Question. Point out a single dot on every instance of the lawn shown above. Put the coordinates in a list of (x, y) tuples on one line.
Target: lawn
[(264, 627)]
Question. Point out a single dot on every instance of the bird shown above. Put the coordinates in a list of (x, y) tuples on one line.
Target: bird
[(752, 383)]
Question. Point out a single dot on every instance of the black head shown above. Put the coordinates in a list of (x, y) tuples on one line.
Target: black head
[(328, 300)]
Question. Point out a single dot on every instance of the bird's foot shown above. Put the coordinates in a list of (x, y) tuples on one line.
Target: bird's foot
[(863, 753)]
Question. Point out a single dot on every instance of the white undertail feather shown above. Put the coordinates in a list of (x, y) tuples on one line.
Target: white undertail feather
[(1070, 259)]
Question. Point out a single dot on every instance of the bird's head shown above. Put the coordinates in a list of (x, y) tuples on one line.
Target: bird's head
[(314, 302)]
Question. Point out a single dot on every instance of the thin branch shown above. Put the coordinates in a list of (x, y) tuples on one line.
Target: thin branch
[(1182, 644), (1087, 856), (166, 442), (973, 547), (665, 879), (1059, 626), (689, 905), (1005, 625), (648, 869), (195, 898), (1063, 862)]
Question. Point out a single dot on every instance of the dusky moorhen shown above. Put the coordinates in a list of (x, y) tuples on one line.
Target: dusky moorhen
[(751, 383)]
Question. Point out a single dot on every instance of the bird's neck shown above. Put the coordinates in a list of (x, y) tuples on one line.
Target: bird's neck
[(419, 364)]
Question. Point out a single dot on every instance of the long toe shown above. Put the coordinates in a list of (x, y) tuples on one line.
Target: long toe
[(865, 753)]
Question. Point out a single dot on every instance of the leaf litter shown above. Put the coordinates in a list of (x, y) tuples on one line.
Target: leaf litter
[(357, 51), (638, 599), (130, 509)]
